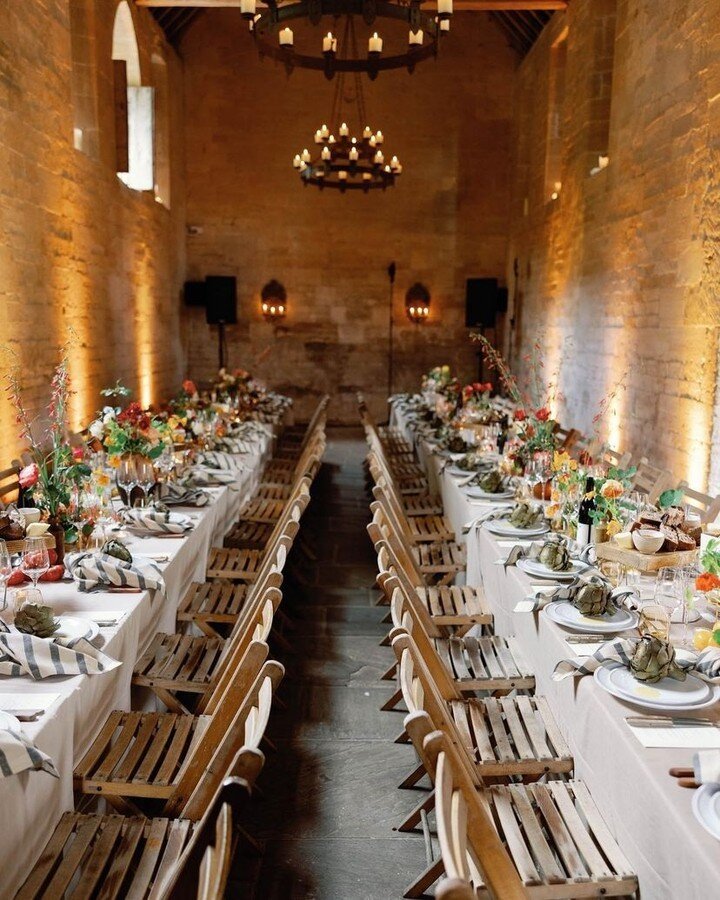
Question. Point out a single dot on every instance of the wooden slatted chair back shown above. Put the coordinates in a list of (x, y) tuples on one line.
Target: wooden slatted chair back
[(380, 470), (393, 512), (566, 438), (203, 868), (220, 737), (396, 541), (706, 505), (651, 480), (317, 421), (614, 459), (473, 854), (9, 485)]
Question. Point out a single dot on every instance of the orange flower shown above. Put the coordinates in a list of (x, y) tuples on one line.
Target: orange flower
[(707, 582), (612, 489)]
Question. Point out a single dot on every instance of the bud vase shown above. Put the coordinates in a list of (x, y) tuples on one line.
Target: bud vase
[(58, 532)]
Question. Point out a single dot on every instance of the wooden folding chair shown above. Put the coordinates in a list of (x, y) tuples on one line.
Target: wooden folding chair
[(113, 857), (294, 440), (706, 505), (419, 529), (9, 484), (409, 476), (566, 438), (176, 760), (651, 480), (393, 442), (412, 504), (545, 841)]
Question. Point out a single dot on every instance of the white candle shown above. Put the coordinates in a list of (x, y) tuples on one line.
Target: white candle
[(305, 155), (353, 154), (329, 43), (318, 137), (372, 141), (331, 139), (297, 161), (367, 132), (324, 131), (326, 153), (342, 175), (286, 37), (375, 44), (367, 176), (344, 130), (444, 24), (379, 137), (379, 158), (398, 169), (415, 39), (445, 7), (394, 162), (247, 7)]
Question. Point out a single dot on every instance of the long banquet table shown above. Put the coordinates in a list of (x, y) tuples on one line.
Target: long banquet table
[(649, 815), (31, 803)]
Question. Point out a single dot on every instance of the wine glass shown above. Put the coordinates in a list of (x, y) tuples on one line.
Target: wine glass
[(532, 476), (145, 473), (126, 478), (5, 571), (35, 559)]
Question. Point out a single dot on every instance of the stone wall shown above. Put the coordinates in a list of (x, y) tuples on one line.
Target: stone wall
[(621, 274), (82, 257), (447, 219)]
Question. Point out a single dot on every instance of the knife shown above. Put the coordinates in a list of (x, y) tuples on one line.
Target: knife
[(669, 721)]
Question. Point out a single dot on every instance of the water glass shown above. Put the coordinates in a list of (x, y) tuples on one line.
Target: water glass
[(655, 621), (35, 559), (145, 474), (5, 571)]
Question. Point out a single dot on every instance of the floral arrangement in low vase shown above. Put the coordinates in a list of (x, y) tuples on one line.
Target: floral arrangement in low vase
[(57, 470), (708, 584), (612, 505), (132, 431), (567, 484), (228, 385)]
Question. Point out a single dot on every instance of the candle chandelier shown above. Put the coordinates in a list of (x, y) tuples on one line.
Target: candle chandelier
[(276, 39), (346, 162)]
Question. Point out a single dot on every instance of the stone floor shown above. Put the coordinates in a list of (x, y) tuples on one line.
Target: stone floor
[(329, 792)]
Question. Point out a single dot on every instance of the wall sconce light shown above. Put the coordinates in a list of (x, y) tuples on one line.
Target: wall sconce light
[(417, 302), (274, 300)]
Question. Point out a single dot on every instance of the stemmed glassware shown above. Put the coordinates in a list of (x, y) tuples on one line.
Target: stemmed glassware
[(5, 571), (35, 559), (127, 478), (145, 473)]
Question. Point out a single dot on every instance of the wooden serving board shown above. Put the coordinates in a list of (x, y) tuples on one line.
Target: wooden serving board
[(19, 546), (644, 562)]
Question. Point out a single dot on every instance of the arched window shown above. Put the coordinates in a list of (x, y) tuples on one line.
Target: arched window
[(83, 82), (133, 106), (162, 130)]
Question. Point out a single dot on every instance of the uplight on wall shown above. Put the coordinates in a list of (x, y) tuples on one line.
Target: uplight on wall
[(273, 300), (417, 303)]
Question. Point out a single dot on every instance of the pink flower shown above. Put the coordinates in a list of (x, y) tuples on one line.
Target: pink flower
[(29, 475), (77, 453)]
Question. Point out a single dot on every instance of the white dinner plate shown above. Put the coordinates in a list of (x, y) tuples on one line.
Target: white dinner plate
[(503, 528), (73, 627), (479, 494), (706, 808), (667, 692), (539, 570), (645, 695), (565, 614)]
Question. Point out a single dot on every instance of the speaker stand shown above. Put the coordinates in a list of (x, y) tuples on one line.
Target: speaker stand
[(222, 346)]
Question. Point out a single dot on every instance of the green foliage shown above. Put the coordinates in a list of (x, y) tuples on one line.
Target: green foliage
[(710, 557), (670, 498)]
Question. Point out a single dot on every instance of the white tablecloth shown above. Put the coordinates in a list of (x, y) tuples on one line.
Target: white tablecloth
[(649, 815), (31, 803)]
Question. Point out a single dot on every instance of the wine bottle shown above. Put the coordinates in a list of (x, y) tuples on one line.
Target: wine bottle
[(587, 506)]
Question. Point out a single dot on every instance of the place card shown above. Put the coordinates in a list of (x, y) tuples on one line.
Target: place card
[(108, 618), (693, 738)]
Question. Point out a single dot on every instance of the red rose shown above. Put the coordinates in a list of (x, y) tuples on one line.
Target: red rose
[(520, 415), (29, 475), (78, 453), (543, 414)]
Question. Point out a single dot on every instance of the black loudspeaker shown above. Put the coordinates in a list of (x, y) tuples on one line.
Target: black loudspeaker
[(194, 293), (221, 299), (481, 302)]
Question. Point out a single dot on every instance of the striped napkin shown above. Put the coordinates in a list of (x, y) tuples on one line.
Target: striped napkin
[(18, 753), (705, 665), (566, 593), (706, 764), (26, 654), (175, 495), (92, 570), (216, 459), (154, 521), (202, 477), (234, 445)]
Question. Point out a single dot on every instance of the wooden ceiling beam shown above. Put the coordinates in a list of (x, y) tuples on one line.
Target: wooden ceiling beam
[(468, 5)]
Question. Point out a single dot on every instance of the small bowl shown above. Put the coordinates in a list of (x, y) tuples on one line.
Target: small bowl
[(648, 540)]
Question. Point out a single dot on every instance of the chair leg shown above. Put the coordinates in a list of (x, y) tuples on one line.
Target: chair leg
[(386, 619), (393, 701), (390, 674), (413, 778), (424, 881), (411, 821), (402, 738), (385, 642)]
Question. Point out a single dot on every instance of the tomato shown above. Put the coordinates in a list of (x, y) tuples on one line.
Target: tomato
[(16, 578), (54, 573)]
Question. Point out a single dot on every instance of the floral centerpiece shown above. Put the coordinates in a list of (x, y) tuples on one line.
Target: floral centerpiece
[(612, 506), (57, 470), (228, 385), (567, 483), (132, 431)]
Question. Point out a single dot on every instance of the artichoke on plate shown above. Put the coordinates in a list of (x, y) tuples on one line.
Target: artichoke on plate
[(492, 483), (593, 599), (654, 659), (36, 619), (118, 550), (525, 515), (554, 555)]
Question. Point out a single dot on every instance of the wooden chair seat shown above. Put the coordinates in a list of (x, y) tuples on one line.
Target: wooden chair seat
[(422, 505), (454, 605), (270, 491), (443, 559), (212, 603), (261, 509), (487, 663), (511, 736), (112, 856), (430, 529), (249, 535), (233, 565), (138, 754), (407, 471), (177, 662)]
